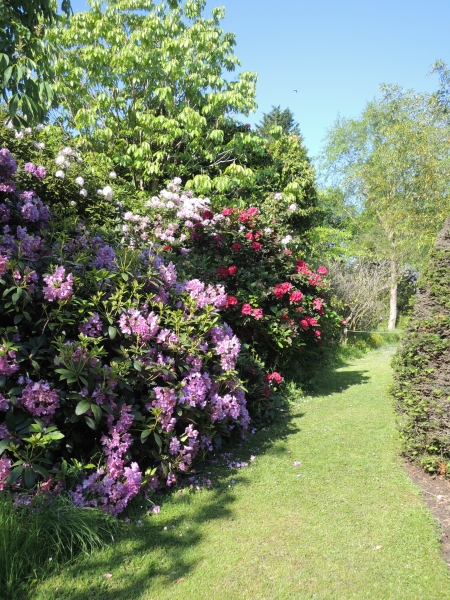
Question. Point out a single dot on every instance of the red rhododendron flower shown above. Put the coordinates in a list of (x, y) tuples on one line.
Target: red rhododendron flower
[(273, 377), (317, 333), (253, 211), (285, 317), (322, 270), (256, 246), (301, 264), (236, 247), (249, 235), (281, 289), (167, 248), (226, 212), (312, 321), (222, 272), (232, 301), (246, 309), (296, 297), (258, 313), (315, 280), (344, 322), (304, 324), (243, 216), (232, 270), (207, 214), (300, 308)]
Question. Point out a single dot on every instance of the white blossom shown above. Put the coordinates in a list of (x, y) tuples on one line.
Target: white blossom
[(79, 181), (112, 174), (83, 193), (73, 203), (60, 174), (293, 207), (108, 192)]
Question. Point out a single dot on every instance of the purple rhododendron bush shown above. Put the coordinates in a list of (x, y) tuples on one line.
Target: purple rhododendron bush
[(115, 373), (129, 351)]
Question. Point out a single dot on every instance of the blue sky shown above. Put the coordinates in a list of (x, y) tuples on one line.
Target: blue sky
[(335, 53)]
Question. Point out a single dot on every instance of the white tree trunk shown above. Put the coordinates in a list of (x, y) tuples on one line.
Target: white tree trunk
[(393, 297)]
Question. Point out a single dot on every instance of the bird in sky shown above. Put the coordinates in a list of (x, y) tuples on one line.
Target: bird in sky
[(296, 91)]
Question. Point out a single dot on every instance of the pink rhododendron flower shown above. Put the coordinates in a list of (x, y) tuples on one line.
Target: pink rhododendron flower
[(322, 270), (258, 313), (296, 297), (246, 309), (256, 246), (281, 289), (232, 270), (59, 286)]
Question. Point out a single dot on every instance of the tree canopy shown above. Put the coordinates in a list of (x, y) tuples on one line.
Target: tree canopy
[(25, 57), (144, 86)]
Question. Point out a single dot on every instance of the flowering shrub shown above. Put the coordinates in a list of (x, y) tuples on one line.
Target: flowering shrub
[(115, 371), (276, 303)]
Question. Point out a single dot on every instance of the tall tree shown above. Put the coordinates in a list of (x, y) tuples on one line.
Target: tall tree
[(278, 121), (393, 165), (144, 85), (25, 57)]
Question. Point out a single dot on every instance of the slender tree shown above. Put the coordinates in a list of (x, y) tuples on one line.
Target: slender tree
[(392, 164)]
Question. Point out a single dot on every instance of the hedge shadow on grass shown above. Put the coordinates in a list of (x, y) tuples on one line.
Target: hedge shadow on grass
[(172, 553)]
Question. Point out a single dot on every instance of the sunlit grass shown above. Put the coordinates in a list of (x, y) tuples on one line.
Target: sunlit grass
[(345, 524)]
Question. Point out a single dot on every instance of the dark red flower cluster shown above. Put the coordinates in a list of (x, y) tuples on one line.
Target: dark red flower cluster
[(302, 268), (236, 247), (223, 272), (256, 246)]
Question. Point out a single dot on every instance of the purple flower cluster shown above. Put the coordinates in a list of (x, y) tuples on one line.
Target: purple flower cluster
[(5, 469), (166, 400), (134, 323), (8, 363), (38, 172), (8, 167), (228, 346), (33, 208), (40, 400), (168, 274), (104, 258), (211, 295), (195, 390), (4, 406), (92, 326), (59, 286)]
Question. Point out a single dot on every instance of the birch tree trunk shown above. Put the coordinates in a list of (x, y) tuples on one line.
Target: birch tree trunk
[(393, 297)]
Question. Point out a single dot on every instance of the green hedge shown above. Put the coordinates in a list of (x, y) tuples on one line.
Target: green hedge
[(422, 365)]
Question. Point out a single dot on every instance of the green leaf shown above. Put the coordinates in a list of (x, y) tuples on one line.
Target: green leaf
[(112, 331), (96, 411), (39, 469), (82, 407), (145, 434), (4, 444), (29, 477), (14, 475)]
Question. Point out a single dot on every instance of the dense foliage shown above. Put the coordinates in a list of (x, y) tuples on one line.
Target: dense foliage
[(422, 382)]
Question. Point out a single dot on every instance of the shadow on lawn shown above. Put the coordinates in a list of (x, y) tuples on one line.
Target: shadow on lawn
[(151, 552)]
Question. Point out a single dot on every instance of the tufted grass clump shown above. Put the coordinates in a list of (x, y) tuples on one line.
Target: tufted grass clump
[(38, 538)]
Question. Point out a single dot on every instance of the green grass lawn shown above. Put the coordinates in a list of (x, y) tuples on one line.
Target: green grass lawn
[(347, 523)]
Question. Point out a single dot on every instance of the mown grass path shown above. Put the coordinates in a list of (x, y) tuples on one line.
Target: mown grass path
[(352, 526)]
